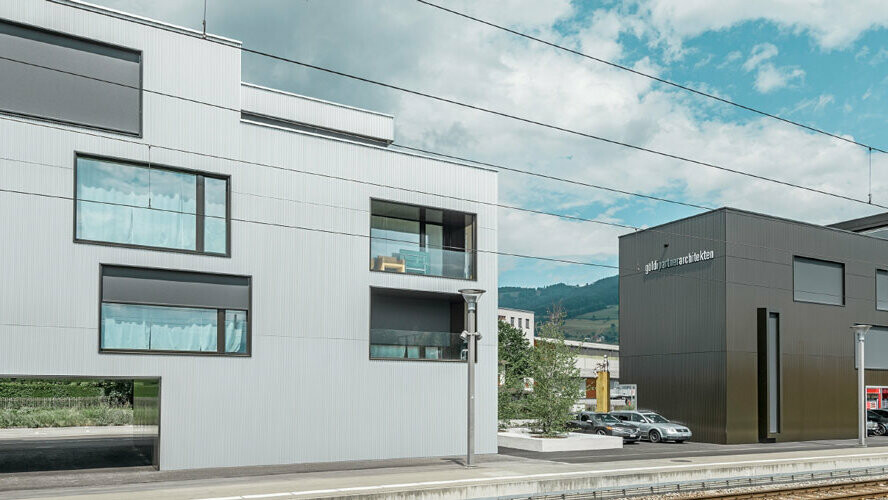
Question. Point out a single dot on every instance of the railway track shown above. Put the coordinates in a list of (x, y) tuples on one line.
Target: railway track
[(855, 490)]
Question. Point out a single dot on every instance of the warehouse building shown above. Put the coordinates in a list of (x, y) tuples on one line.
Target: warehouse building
[(738, 324), (286, 278)]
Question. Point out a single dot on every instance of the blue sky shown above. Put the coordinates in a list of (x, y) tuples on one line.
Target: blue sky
[(820, 62)]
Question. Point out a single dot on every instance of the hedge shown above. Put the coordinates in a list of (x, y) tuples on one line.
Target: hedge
[(38, 388)]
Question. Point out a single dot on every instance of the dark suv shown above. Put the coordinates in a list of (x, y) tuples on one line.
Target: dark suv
[(605, 425)]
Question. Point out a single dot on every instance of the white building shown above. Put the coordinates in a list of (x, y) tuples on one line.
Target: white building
[(267, 258), (519, 318)]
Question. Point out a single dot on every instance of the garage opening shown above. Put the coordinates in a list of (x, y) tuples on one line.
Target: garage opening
[(59, 423)]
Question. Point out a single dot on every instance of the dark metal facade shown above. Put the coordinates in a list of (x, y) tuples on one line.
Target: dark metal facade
[(689, 333)]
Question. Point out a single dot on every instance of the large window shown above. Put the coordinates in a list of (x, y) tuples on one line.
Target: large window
[(146, 206), (73, 80), (416, 325), (818, 281), (174, 311), (882, 290), (419, 240)]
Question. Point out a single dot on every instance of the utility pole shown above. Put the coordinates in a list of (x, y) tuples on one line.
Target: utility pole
[(860, 332), (471, 296)]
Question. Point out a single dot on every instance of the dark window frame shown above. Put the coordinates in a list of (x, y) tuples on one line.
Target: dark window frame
[(422, 224), (876, 288), (424, 360), (82, 40), (199, 209), (844, 285), (220, 346)]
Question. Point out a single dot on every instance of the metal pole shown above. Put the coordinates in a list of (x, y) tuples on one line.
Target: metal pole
[(470, 361), (861, 389)]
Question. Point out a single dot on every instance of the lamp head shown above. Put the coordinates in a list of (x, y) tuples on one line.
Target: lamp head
[(471, 295), (860, 330)]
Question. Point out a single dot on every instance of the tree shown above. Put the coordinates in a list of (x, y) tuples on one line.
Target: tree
[(555, 378), (514, 362)]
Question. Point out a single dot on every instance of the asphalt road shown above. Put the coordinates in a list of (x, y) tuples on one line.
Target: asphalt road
[(28, 455), (644, 450)]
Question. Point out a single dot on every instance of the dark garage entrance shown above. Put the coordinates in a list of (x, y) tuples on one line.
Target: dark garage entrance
[(52, 424)]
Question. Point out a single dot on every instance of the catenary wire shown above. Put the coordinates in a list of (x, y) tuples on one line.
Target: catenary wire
[(238, 110), (495, 112), (347, 179), (650, 76), (634, 271)]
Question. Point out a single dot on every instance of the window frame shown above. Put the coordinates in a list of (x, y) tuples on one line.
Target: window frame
[(844, 285), (90, 41), (402, 360), (422, 209), (199, 210), (876, 288), (167, 352)]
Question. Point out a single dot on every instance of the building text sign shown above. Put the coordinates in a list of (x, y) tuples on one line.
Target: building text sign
[(657, 265)]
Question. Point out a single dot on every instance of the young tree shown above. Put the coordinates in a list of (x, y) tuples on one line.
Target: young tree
[(514, 364), (555, 378)]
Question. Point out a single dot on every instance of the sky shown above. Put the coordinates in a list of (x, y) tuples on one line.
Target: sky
[(819, 62)]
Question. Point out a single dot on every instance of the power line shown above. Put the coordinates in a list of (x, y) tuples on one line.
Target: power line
[(628, 145), (813, 254), (635, 271), (650, 76)]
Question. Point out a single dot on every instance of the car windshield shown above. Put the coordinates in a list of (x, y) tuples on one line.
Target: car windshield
[(606, 419), (883, 413), (657, 419)]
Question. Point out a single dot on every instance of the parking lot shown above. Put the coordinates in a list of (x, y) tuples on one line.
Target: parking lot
[(678, 451)]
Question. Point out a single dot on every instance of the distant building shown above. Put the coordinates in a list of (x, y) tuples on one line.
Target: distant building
[(738, 323), (519, 318)]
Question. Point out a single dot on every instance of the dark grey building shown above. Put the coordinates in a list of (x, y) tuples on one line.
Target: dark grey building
[(737, 323)]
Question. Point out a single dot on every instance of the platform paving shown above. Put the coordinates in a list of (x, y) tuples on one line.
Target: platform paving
[(503, 475)]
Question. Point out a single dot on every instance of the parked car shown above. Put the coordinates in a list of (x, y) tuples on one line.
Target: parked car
[(880, 419), (871, 427), (654, 427), (605, 425)]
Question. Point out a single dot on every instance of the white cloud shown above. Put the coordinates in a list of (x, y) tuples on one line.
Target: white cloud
[(759, 54), (832, 24), (419, 47), (768, 76)]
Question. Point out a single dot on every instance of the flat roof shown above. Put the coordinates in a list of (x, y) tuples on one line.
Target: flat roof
[(863, 223), (513, 309), (763, 216)]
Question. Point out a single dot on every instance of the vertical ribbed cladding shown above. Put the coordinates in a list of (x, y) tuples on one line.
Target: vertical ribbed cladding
[(672, 322)]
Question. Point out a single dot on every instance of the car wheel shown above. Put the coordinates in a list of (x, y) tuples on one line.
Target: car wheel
[(881, 430), (654, 436), (601, 432)]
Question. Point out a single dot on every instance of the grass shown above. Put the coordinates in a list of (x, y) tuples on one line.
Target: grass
[(593, 324), (66, 417)]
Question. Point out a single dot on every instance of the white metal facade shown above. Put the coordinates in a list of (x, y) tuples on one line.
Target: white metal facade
[(309, 392)]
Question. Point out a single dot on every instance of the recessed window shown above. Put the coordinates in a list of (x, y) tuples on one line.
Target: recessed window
[(882, 290), (145, 206), (158, 310), (818, 281), (73, 80), (418, 240), (416, 325)]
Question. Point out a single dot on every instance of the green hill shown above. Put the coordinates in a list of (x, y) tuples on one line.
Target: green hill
[(592, 309)]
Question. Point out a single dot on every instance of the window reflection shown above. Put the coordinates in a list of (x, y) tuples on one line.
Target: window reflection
[(418, 240)]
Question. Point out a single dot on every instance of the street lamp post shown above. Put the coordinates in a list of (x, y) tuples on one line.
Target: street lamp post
[(471, 296), (860, 332)]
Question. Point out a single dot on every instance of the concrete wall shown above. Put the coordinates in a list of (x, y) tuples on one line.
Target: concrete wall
[(309, 392), (672, 323)]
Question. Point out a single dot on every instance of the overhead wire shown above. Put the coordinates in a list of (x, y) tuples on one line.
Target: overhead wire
[(495, 112), (649, 76)]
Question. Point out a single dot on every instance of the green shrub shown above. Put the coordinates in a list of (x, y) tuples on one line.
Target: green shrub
[(40, 388), (66, 417)]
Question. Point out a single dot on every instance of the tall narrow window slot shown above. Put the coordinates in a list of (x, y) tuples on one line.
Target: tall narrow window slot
[(769, 375)]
